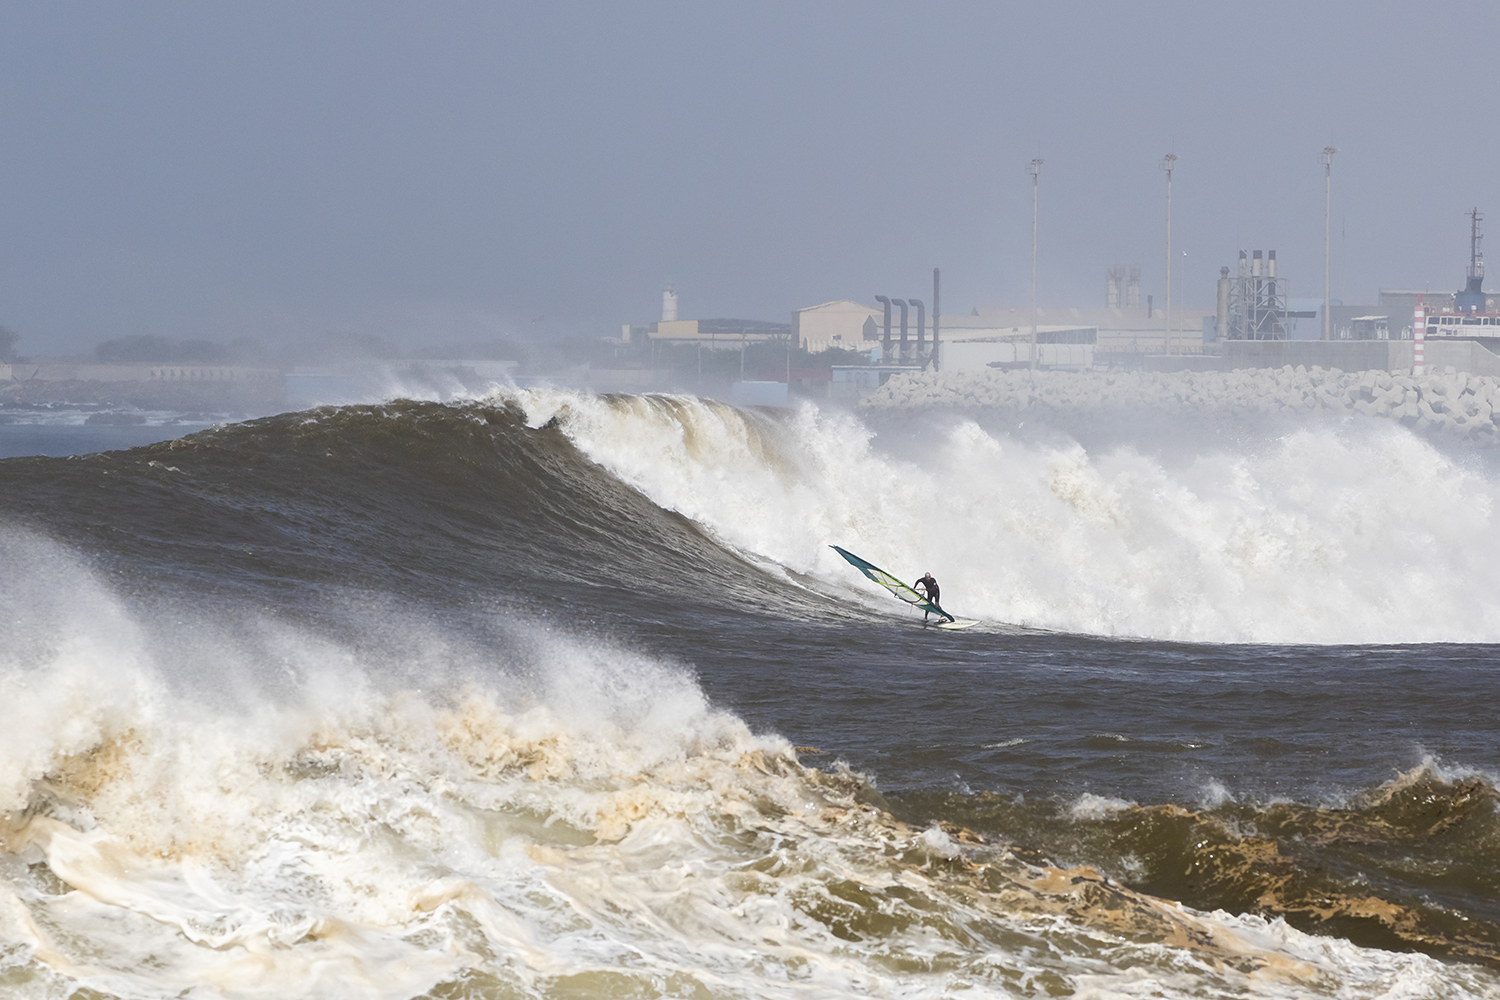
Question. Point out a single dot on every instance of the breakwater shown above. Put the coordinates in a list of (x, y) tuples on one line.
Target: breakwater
[(1446, 402)]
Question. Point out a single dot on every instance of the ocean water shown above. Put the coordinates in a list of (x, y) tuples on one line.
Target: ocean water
[(62, 430), (555, 695)]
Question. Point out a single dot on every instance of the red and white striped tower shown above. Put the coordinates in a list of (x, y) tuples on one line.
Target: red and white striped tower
[(1419, 339)]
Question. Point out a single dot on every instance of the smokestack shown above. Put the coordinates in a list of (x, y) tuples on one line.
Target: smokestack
[(1270, 263), (669, 304), (1255, 265), (921, 328), (1244, 271), (885, 343)]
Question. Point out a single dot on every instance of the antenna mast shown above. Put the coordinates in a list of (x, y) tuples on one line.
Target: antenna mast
[(1476, 256), (1328, 151), (1167, 162)]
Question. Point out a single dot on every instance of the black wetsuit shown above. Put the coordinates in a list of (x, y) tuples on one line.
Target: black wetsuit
[(930, 585)]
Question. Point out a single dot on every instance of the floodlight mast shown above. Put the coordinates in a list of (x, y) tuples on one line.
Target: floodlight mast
[(1167, 163), (1034, 168), (1328, 152)]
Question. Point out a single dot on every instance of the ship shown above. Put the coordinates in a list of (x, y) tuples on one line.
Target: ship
[(1470, 318)]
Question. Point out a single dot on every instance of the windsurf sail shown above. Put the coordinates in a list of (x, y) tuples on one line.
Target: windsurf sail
[(895, 586)]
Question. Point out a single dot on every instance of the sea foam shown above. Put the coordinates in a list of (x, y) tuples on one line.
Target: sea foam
[(572, 819)]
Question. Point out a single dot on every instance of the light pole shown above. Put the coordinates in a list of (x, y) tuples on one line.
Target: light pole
[(1035, 170), (1328, 152), (1166, 164)]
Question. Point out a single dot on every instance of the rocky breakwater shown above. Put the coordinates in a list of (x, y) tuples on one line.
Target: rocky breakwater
[(1446, 402)]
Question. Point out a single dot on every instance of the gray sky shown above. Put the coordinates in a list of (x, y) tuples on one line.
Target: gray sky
[(433, 172)]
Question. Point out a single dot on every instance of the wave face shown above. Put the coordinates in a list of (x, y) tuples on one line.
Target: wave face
[(418, 496), (521, 697)]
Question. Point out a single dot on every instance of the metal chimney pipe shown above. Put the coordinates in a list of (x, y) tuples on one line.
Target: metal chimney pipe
[(921, 328), (1255, 265), (904, 349), (1270, 263), (885, 344)]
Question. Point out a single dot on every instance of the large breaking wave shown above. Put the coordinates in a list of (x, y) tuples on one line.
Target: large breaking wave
[(1352, 531)]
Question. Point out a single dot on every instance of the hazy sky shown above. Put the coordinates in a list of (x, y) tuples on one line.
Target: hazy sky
[(433, 172)]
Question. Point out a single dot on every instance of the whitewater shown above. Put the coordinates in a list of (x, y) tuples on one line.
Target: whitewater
[(548, 694), (1342, 531)]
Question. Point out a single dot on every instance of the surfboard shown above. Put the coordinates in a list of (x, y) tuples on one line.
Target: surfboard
[(900, 590), (955, 623)]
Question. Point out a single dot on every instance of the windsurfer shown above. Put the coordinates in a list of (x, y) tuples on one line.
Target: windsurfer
[(929, 588)]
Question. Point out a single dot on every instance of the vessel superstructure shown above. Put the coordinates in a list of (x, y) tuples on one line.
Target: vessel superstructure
[(1471, 317)]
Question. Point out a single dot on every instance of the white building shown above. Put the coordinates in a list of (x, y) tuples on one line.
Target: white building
[(1120, 328), (840, 323), (977, 348)]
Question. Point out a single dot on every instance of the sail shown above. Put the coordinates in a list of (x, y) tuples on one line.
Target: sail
[(892, 584)]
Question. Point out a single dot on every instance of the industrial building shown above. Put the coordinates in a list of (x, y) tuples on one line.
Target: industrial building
[(840, 323), (1120, 334), (1255, 323), (1067, 337), (1253, 304), (982, 340), (1122, 288), (722, 334)]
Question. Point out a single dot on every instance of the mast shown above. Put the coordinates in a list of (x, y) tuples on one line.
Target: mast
[(1476, 255), (1471, 299)]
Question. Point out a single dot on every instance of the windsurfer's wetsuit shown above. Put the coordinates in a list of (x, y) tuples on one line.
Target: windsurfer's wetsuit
[(929, 586)]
